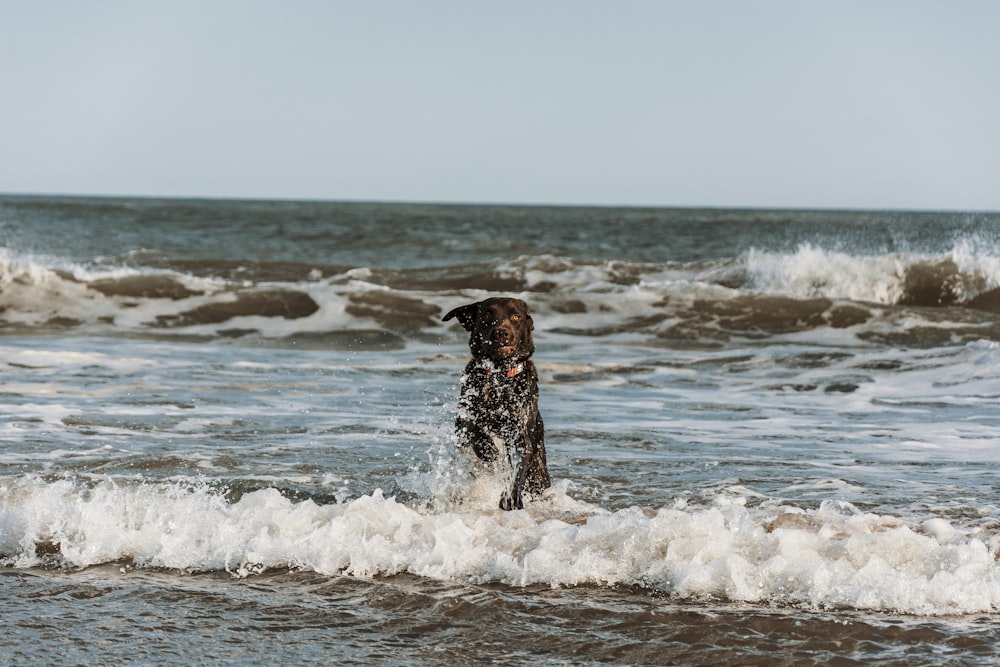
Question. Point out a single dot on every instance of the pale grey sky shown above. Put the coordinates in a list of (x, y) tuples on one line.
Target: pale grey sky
[(841, 103)]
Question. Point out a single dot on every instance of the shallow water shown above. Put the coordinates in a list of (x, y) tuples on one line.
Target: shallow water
[(226, 436), (148, 617)]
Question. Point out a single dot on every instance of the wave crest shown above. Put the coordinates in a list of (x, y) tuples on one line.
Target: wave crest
[(959, 277), (760, 293), (831, 557)]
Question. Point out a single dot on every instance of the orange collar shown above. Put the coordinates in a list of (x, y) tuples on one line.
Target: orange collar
[(512, 372)]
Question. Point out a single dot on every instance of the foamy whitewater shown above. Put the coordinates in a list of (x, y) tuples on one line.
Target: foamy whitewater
[(227, 435)]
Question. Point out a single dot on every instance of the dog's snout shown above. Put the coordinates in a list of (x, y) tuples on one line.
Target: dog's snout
[(502, 335)]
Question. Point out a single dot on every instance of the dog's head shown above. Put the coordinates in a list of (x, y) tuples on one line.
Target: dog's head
[(500, 328)]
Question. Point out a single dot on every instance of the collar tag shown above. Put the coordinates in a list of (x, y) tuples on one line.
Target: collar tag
[(512, 372)]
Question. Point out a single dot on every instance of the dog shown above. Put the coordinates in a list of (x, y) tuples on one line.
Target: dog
[(497, 416)]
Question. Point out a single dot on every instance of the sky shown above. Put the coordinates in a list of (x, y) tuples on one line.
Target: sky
[(887, 104)]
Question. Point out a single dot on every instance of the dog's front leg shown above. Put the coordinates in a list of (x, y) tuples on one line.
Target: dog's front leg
[(512, 498)]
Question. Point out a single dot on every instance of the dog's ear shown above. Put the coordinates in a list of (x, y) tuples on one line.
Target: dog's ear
[(527, 315), (466, 315)]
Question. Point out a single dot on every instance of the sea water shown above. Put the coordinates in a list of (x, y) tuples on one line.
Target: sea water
[(226, 435)]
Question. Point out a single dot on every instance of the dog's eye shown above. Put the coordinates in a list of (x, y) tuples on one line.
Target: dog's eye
[(515, 318)]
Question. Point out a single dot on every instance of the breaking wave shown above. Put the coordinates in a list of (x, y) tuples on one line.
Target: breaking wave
[(760, 293), (832, 557)]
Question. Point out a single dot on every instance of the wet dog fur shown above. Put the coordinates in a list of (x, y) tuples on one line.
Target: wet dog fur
[(497, 415)]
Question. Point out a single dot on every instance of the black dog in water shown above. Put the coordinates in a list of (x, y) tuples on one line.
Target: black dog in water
[(498, 409)]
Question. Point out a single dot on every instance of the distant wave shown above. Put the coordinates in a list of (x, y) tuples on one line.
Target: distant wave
[(759, 293), (961, 277)]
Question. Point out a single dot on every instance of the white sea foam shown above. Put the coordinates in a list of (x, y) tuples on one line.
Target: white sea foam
[(833, 557), (812, 271), (570, 295)]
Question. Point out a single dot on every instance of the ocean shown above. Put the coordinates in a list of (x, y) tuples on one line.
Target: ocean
[(227, 436)]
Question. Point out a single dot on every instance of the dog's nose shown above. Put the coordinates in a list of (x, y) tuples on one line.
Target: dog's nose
[(502, 336)]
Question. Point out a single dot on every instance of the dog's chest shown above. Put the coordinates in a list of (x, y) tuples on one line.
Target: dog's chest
[(494, 390)]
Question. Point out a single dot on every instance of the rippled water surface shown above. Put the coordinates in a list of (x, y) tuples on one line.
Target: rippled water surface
[(225, 436)]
